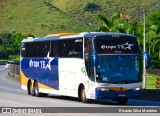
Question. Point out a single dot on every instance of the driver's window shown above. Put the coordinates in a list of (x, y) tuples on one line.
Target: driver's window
[(88, 57)]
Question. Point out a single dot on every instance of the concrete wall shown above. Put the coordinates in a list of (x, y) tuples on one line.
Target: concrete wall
[(13, 72)]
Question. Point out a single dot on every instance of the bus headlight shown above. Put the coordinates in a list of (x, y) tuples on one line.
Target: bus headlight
[(103, 89), (137, 88)]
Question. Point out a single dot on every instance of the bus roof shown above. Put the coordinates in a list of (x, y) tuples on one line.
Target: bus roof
[(51, 37), (113, 34), (58, 36), (31, 39)]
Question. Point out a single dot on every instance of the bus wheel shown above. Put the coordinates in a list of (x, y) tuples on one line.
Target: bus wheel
[(29, 87), (83, 95), (36, 89), (122, 101)]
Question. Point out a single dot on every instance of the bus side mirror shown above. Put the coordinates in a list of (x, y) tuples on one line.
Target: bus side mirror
[(147, 59), (94, 55)]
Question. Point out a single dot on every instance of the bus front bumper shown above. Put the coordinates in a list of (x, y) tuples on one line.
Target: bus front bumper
[(110, 94)]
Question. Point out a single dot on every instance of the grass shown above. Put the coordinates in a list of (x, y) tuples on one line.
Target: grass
[(36, 17), (133, 8), (2, 62), (151, 81)]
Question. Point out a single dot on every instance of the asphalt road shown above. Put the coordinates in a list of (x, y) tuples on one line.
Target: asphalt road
[(11, 95)]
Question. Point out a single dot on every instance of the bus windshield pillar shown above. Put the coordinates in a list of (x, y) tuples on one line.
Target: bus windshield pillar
[(94, 56)]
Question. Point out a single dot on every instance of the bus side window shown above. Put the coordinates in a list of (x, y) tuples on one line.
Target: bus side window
[(23, 49), (59, 48), (56, 49), (47, 48), (41, 49), (52, 49), (77, 51), (78, 48), (33, 49), (67, 46)]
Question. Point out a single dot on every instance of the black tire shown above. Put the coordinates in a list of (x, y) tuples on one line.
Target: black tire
[(31, 89), (122, 101), (29, 86), (83, 95), (36, 91)]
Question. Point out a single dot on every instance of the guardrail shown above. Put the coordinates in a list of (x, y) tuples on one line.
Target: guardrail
[(14, 69), (13, 72)]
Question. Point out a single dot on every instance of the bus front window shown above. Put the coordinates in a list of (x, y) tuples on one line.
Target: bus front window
[(118, 69)]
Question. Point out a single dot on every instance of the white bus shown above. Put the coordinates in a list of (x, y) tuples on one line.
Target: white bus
[(95, 65)]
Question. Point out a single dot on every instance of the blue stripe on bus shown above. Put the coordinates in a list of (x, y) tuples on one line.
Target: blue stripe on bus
[(42, 69)]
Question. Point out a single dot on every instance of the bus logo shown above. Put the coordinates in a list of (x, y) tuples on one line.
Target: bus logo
[(42, 64), (125, 46), (122, 46)]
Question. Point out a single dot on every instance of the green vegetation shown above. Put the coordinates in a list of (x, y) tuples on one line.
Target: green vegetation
[(77, 8), (10, 44), (2, 62), (38, 17), (151, 81), (42, 17), (112, 24)]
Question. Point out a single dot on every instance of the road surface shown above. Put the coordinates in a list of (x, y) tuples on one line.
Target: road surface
[(11, 95)]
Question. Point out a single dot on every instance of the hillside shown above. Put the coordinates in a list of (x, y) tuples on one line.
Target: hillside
[(36, 16), (87, 10), (41, 17)]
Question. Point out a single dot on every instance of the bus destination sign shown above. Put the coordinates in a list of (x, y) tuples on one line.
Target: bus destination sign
[(116, 46)]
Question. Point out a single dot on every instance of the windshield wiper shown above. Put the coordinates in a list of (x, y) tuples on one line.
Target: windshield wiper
[(122, 81), (117, 78), (127, 81)]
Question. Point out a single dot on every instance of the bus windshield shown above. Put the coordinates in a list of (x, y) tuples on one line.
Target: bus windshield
[(118, 69)]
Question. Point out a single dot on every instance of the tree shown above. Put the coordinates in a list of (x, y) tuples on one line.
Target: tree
[(111, 24), (153, 33), (10, 43)]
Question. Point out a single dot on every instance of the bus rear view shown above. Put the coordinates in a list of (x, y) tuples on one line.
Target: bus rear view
[(115, 66)]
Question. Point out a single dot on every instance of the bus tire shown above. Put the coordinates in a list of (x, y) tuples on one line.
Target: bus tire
[(122, 101), (33, 89), (36, 91), (29, 86), (83, 95)]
